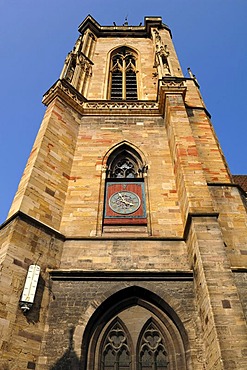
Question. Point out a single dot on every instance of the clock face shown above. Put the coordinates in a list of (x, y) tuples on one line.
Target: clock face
[(124, 202)]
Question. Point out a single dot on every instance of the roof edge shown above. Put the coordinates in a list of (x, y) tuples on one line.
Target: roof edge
[(126, 30)]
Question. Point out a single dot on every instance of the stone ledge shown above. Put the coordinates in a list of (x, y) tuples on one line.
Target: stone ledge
[(167, 85), (64, 90), (123, 275), (32, 221)]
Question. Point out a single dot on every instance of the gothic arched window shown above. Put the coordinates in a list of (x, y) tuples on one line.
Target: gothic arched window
[(115, 351), (125, 193), (123, 83), (118, 353), (124, 168), (125, 163), (151, 352)]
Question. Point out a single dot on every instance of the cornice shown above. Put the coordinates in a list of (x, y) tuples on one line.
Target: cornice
[(23, 216), (64, 90), (228, 184), (177, 275), (124, 30), (32, 221)]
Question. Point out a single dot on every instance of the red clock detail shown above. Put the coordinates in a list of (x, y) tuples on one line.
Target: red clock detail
[(125, 203)]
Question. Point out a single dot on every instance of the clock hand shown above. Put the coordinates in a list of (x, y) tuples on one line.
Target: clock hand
[(124, 200), (120, 196)]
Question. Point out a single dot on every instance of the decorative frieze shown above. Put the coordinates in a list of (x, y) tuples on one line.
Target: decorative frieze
[(137, 105), (64, 90), (172, 83)]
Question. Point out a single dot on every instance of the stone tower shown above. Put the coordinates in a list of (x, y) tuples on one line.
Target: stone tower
[(129, 210)]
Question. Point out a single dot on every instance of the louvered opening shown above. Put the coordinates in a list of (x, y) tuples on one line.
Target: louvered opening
[(117, 85), (123, 81), (131, 86)]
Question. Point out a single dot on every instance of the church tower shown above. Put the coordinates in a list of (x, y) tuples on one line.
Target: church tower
[(125, 247)]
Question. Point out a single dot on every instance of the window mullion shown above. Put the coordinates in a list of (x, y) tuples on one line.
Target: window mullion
[(124, 80)]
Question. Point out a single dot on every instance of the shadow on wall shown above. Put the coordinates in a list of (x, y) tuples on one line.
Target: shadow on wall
[(69, 361)]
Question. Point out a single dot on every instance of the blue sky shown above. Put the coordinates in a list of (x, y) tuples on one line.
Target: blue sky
[(210, 37)]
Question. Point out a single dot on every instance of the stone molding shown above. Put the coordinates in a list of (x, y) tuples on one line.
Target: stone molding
[(170, 86), (122, 31), (64, 90), (178, 275), (34, 222), (39, 224), (68, 93), (172, 83), (121, 107)]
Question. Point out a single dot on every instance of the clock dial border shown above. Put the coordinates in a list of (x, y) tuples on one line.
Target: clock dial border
[(122, 202), (136, 187)]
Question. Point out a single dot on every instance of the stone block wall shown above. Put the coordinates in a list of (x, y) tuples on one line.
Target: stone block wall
[(240, 278), (42, 190), (21, 335), (233, 223), (221, 311), (75, 302), (124, 255), (83, 211), (146, 77)]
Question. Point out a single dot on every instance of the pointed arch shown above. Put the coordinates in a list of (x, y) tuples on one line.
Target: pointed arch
[(125, 162), (116, 347), (173, 344), (125, 195), (126, 45), (151, 349), (123, 70), (125, 143)]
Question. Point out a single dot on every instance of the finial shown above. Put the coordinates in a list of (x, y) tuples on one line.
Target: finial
[(193, 76), (126, 21), (190, 72)]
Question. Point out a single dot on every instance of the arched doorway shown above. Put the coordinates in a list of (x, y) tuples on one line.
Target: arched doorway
[(134, 329)]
